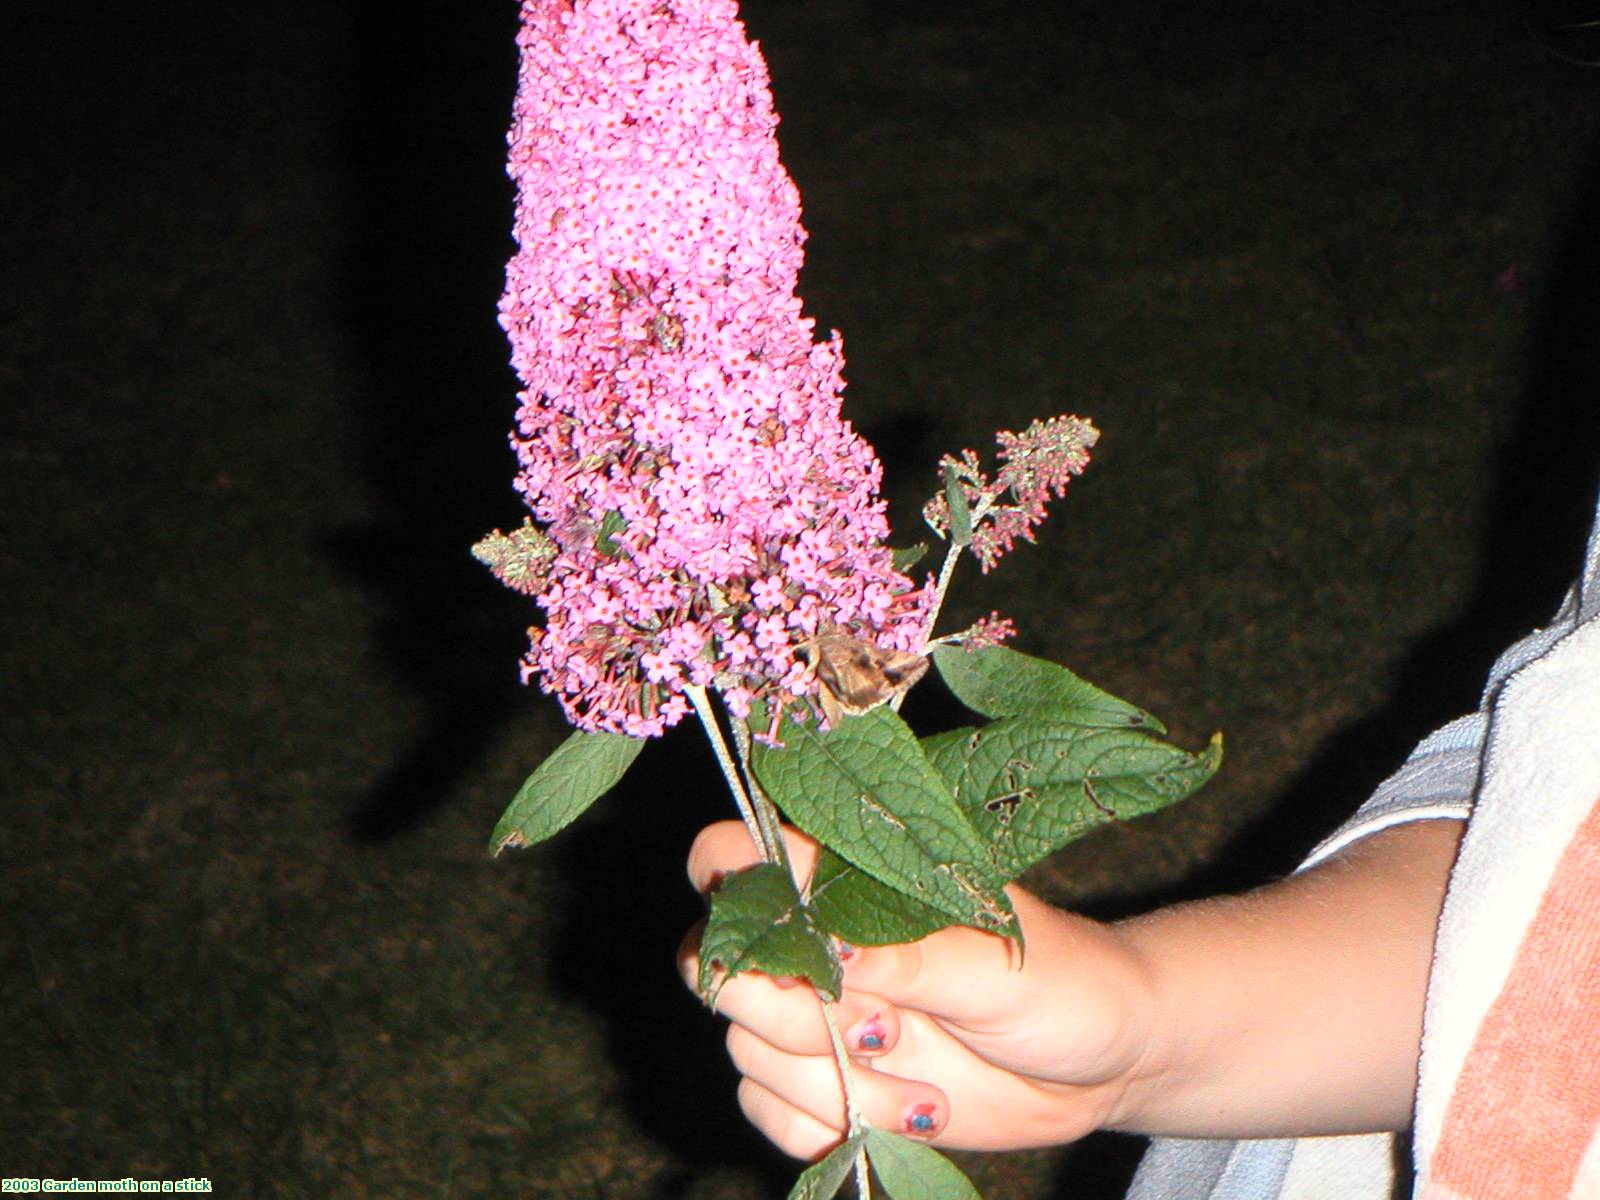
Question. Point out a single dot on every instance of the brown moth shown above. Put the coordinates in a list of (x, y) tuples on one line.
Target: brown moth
[(667, 329), (857, 676)]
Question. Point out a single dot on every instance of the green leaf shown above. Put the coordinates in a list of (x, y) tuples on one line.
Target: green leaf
[(908, 556), (611, 524), (955, 497), (759, 923), (1022, 815), (866, 790), (823, 1178), (1000, 682), (852, 905), (946, 754), (1030, 787), (909, 1170), (577, 773)]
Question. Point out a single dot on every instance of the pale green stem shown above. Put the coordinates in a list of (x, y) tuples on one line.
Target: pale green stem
[(730, 771), (852, 1110), (766, 812), (947, 570), (762, 820)]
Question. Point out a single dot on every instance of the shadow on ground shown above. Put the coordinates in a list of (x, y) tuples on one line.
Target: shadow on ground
[(1537, 515), (424, 105)]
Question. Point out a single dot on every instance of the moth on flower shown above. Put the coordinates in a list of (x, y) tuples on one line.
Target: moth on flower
[(855, 676)]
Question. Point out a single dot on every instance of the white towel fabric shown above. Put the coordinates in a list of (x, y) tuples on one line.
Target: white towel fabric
[(1531, 830)]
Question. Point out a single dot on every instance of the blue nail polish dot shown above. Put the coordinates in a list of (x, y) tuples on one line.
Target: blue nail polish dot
[(922, 1122), (872, 1042)]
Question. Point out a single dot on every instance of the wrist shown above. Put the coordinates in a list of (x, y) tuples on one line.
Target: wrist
[(1139, 1055), (1295, 1009), (1101, 1022)]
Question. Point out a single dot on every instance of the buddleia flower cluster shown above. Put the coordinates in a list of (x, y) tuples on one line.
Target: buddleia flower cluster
[(700, 510), (1036, 467)]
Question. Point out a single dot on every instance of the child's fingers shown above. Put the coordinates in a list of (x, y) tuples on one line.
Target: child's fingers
[(792, 1130), (790, 1017), (796, 1100), (720, 849), (725, 847), (935, 974), (1074, 1009), (807, 1082), (977, 1105), (930, 974), (810, 1083)]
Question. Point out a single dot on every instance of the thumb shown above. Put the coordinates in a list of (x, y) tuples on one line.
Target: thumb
[(962, 975)]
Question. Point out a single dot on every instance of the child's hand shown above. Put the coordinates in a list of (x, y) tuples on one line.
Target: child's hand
[(1293, 1010), (960, 1039)]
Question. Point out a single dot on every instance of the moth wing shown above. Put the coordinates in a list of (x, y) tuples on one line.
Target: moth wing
[(902, 670), (832, 710)]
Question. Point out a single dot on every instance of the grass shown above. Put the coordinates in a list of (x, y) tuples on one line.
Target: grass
[(259, 709)]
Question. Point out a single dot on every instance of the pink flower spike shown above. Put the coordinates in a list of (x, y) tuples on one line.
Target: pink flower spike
[(1042, 459), (701, 506), (988, 631), (1038, 463)]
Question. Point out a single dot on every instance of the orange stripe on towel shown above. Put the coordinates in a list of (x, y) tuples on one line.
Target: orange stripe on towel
[(1527, 1102)]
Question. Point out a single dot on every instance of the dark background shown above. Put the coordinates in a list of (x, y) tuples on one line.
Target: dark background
[(1326, 276)]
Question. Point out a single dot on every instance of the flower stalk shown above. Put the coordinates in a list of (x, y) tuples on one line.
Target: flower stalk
[(701, 515), (748, 811), (762, 821)]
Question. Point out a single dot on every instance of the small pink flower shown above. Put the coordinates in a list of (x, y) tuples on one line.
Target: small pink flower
[(768, 593), (658, 668)]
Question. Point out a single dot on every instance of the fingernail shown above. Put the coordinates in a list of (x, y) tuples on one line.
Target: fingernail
[(846, 950), (920, 1119), (869, 1035)]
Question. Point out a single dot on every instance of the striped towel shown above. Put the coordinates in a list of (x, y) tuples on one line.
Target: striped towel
[(1509, 1095)]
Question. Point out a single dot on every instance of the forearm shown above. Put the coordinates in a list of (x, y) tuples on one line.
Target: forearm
[(1295, 1009)]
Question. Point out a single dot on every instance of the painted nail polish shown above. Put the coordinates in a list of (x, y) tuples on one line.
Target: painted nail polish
[(870, 1035), (920, 1119)]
